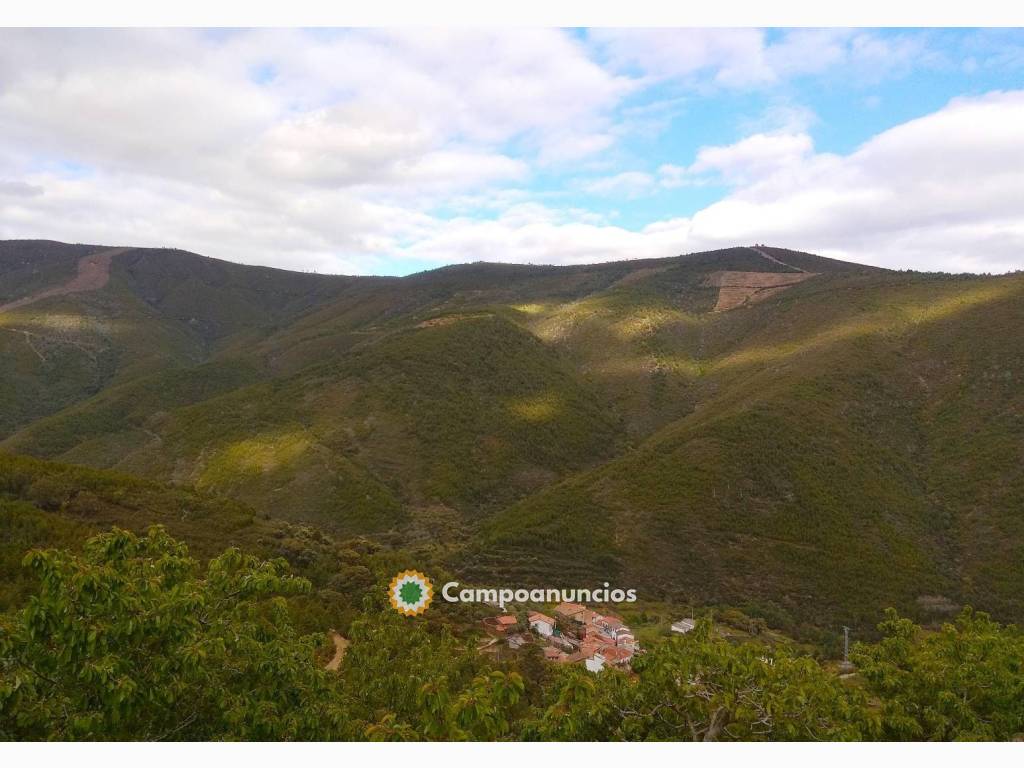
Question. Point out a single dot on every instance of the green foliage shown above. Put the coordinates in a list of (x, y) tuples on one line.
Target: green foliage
[(130, 641), (27, 266), (405, 682), (703, 688), (854, 444), (964, 682), (849, 443)]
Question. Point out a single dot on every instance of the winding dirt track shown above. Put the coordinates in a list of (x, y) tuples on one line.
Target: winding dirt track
[(93, 274), (340, 646), (766, 255)]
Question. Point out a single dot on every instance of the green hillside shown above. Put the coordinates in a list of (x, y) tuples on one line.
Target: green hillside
[(465, 411), (159, 311), (27, 266), (859, 445), (803, 438)]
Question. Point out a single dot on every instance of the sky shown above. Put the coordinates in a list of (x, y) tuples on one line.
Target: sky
[(371, 151)]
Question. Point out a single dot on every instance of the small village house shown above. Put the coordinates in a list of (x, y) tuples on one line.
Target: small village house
[(579, 634), (683, 626), (626, 640), (499, 626), (541, 624), (569, 611), (616, 656)]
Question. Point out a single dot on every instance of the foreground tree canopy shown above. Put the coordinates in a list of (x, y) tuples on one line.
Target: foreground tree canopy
[(132, 639)]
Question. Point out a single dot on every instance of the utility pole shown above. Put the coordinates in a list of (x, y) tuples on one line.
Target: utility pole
[(846, 667)]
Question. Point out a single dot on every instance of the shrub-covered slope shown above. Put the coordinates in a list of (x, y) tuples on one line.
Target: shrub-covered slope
[(860, 446), (815, 453)]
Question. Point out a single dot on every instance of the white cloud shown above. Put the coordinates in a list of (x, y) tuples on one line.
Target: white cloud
[(19, 189), (536, 234), (748, 58), (941, 192), (357, 146), (339, 150), (281, 146), (728, 56), (752, 158), (485, 86)]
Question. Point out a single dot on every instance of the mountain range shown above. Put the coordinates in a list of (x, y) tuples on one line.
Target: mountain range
[(809, 439)]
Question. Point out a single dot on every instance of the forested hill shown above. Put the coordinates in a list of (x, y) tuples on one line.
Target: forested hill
[(809, 439)]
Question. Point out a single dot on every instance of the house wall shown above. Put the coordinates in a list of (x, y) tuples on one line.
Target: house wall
[(542, 628)]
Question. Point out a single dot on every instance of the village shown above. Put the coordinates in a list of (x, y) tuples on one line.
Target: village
[(575, 635)]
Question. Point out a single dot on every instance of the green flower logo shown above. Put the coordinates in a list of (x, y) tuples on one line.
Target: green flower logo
[(410, 592)]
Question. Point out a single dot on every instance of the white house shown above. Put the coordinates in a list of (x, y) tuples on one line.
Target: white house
[(541, 624), (683, 626)]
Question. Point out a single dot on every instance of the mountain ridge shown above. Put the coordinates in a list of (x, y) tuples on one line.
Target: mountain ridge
[(605, 420)]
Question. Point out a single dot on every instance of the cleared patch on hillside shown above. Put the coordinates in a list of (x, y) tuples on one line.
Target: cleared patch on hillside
[(736, 289), (437, 322), (93, 274)]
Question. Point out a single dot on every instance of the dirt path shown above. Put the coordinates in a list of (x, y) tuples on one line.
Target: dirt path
[(773, 260), (340, 646), (93, 274)]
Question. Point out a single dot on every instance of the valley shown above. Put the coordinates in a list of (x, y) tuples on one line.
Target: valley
[(804, 439)]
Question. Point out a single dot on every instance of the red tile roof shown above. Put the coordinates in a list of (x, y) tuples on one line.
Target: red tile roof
[(589, 648), (569, 610), (615, 655)]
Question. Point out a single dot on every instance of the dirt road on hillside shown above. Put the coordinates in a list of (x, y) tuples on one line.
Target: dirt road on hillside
[(340, 646), (766, 255), (93, 274)]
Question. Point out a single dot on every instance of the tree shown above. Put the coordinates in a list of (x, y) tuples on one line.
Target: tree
[(964, 682), (704, 688), (130, 640), (405, 680)]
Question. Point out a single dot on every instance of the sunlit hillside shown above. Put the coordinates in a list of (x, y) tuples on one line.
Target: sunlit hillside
[(807, 439)]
